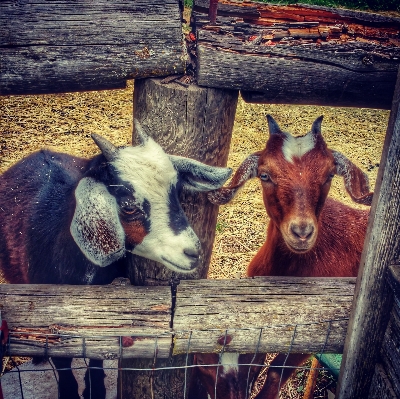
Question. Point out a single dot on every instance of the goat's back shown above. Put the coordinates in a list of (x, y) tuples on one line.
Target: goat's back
[(33, 196), (337, 252)]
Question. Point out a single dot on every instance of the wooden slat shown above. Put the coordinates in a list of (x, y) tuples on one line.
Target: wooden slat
[(65, 45), (290, 55), (380, 385), (373, 296), (240, 308), (100, 314)]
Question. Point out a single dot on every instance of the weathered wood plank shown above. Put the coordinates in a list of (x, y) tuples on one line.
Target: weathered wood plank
[(346, 59), (81, 321), (292, 312), (390, 351), (373, 296), (380, 385), (61, 46)]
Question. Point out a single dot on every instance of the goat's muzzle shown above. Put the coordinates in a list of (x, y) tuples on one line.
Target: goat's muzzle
[(301, 236)]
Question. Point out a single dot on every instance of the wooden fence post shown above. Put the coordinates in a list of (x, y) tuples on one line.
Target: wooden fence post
[(372, 298), (194, 122)]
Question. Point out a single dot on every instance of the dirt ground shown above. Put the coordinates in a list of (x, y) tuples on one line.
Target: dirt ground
[(64, 122)]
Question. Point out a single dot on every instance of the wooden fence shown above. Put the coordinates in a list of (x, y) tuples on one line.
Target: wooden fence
[(309, 55)]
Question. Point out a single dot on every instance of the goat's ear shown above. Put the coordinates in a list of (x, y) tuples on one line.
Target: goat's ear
[(246, 171), (355, 180), (95, 225), (273, 126), (199, 176), (316, 126)]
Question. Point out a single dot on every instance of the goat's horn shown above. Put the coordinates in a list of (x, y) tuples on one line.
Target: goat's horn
[(273, 126), (316, 126), (108, 149), (141, 135)]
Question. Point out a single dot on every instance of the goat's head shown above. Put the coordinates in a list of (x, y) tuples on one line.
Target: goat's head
[(130, 203), (296, 174), (227, 376)]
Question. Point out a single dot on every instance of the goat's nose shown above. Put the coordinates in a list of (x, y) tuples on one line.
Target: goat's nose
[(302, 231), (192, 253)]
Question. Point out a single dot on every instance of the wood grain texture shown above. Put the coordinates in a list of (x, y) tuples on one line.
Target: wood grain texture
[(299, 54), (86, 321), (60, 46), (293, 313), (373, 296), (380, 385)]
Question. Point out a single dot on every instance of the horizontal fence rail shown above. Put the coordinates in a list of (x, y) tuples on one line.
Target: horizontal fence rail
[(263, 314)]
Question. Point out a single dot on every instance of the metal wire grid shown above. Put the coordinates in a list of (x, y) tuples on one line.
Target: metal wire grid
[(187, 365)]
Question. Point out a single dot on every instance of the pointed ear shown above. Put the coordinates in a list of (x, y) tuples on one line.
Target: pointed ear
[(246, 171), (95, 226), (199, 176), (316, 126), (273, 126), (355, 180)]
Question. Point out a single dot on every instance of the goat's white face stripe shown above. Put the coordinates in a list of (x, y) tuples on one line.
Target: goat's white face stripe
[(149, 170), (297, 146), (230, 363)]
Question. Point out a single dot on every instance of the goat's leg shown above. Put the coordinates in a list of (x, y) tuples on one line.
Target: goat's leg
[(277, 375), (67, 385), (94, 381)]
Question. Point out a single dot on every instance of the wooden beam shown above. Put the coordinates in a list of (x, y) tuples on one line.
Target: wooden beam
[(87, 321), (50, 47), (293, 313), (373, 297), (299, 54)]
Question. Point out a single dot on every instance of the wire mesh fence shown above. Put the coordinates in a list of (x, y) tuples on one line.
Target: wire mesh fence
[(29, 380)]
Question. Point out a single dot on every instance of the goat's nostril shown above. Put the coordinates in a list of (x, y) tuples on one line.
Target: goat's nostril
[(302, 232), (192, 253)]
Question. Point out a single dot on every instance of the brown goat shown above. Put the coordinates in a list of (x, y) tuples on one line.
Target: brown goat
[(308, 233)]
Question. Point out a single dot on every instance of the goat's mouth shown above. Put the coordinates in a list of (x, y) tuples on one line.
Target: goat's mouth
[(300, 246), (175, 267)]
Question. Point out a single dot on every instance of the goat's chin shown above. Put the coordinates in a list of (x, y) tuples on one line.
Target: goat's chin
[(299, 247)]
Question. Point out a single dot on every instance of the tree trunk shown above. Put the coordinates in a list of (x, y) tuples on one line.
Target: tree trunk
[(197, 123)]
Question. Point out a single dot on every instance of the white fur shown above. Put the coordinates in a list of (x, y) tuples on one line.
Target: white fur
[(150, 171), (230, 363), (297, 146)]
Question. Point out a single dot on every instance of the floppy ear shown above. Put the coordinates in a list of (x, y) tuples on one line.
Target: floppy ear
[(95, 225), (199, 176), (355, 180), (246, 171)]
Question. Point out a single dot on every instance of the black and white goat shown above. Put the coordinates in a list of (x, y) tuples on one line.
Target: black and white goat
[(69, 220)]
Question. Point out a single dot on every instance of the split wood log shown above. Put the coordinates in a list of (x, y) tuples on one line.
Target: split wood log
[(299, 54), (373, 297), (193, 122), (310, 316), (87, 321), (50, 47), (304, 314)]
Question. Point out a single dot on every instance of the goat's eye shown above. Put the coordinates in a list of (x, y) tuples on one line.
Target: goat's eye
[(330, 177), (130, 210), (265, 177)]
